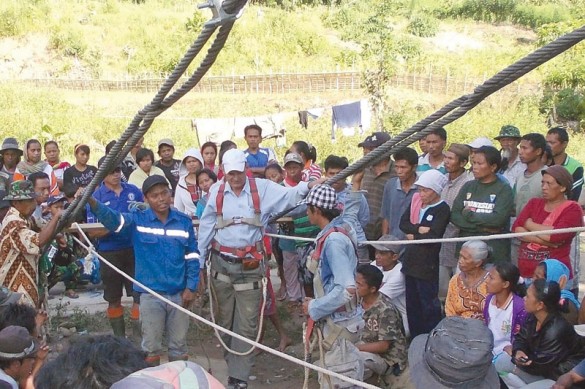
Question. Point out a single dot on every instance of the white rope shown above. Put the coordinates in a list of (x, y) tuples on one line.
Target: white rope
[(220, 328), (262, 307), (509, 235)]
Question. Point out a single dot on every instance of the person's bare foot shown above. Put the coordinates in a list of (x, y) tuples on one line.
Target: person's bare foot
[(285, 341)]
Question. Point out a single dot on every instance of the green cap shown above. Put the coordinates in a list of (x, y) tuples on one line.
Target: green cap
[(21, 190), (509, 131)]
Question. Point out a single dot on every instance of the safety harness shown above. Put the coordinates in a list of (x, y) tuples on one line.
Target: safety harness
[(334, 330), (251, 257)]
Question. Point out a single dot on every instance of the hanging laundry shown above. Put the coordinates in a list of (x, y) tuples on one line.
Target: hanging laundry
[(315, 113), (304, 119), (345, 116), (270, 124), (366, 116), (214, 130)]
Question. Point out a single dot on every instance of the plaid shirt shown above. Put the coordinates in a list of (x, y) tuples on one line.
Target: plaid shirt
[(374, 187)]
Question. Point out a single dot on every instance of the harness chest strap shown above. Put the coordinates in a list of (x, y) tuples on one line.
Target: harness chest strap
[(254, 221), (313, 266)]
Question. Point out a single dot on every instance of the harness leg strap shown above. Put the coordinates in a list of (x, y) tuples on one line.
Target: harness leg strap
[(237, 287)]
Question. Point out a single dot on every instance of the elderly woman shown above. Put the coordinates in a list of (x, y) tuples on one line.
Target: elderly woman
[(145, 161), (484, 205), (468, 289), (552, 211), (547, 346)]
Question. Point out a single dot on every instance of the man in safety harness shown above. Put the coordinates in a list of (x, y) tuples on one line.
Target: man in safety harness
[(335, 310), (230, 238)]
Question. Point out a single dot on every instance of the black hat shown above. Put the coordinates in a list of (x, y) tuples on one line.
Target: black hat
[(153, 181), (16, 343), (102, 159), (375, 140), (55, 199)]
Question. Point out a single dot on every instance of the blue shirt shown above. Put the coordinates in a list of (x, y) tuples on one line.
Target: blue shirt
[(167, 258), (337, 266), (274, 198), (361, 214), (394, 202), (260, 159), (109, 198)]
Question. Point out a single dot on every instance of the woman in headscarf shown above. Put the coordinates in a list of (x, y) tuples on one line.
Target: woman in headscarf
[(188, 193), (554, 270), (32, 163)]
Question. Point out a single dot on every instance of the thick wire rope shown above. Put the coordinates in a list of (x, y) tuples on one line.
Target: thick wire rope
[(226, 14), (460, 106)]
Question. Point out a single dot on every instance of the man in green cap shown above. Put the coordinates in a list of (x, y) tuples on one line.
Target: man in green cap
[(21, 245), (512, 168)]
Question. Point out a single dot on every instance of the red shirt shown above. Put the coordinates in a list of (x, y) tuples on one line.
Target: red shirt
[(572, 216)]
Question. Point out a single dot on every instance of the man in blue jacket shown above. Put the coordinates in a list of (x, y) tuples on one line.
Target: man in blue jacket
[(167, 261), (118, 249)]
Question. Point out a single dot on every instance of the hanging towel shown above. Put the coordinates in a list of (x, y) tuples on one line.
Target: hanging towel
[(214, 130), (346, 115)]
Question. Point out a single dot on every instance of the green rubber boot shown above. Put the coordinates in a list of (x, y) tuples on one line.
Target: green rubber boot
[(118, 326)]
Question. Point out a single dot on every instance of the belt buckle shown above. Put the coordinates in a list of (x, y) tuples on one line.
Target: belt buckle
[(237, 220)]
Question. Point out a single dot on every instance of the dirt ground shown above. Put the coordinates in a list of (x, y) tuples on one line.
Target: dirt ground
[(87, 315)]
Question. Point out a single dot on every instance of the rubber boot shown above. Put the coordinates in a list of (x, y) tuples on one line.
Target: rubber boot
[(116, 317), (136, 325), (118, 326), (153, 360)]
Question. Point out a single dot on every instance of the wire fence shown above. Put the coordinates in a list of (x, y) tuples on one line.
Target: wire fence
[(280, 83)]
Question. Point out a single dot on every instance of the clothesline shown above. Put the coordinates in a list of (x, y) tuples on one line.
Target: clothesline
[(346, 116)]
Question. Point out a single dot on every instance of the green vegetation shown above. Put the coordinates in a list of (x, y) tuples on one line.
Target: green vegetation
[(115, 38)]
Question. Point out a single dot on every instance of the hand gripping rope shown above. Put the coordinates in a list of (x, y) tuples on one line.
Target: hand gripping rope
[(289, 358), (460, 106)]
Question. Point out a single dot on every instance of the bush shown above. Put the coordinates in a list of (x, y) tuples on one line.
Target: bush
[(570, 104), (488, 10), (536, 16), (20, 17), (69, 43), (423, 26)]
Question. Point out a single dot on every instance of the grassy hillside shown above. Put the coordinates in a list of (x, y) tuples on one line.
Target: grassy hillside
[(114, 38), (108, 38)]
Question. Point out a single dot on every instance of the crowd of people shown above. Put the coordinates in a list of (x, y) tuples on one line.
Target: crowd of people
[(500, 312)]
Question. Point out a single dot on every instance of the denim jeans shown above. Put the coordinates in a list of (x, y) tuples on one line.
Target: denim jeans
[(158, 317)]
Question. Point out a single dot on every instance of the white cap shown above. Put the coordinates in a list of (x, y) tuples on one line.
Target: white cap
[(479, 142), (234, 160), (432, 179)]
